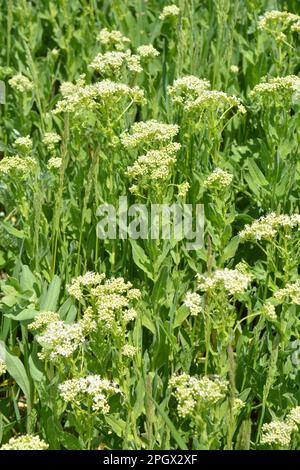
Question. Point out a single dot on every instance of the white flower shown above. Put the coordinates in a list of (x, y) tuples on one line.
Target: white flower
[(147, 51), (129, 351), (113, 39), (232, 280), (193, 302), (91, 389), (26, 442), (2, 367), (50, 140), (149, 133), (193, 391), (169, 11), (23, 143), (20, 83), (290, 293), (60, 340), (43, 319), (268, 310), (218, 179), (277, 433), (54, 163)]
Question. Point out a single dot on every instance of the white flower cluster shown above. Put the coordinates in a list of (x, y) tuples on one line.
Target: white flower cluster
[(267, 227), (155, 164), (276, 91), (193, 303), (129, 351), (90, 390), (23, 167), (232, 281), (275, 21), (215, 102), (218, 179), (183, 188), (191, 392), (147, 51), (60, 340), (169, 11), (111, 297), (25, 442), (2, 367), (194, 94), (290, 291), (277, 433), (43, 319), (293, 417), (114, 62), (21, 83), (149, 133), (51, 139), (113, 39), (187, 89), (54, 163), (23, 143), (78, 98), (269, 312)]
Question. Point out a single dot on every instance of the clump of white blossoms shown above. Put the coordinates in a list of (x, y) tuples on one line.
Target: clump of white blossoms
[(218, 179), (79, 97), (54, 163), (232, 281), (183, 188), (114, 62), (187, 89), (43, 319), (193, 393), (21, 83), (269, 312), (51, 139), (293, 417), (147, 51), (90, 391), (215, 102), (129, 351), (154, 165), (268, 226), (60, 340), (2, 367), (193, 302), (275, 22), (111, 298), (234, 69), (169, 11), (23, 143), (194, 95), (25, 442), (17, 166), (277, 91), (290, 293), (149, 133), (113, 39), (276, 433)]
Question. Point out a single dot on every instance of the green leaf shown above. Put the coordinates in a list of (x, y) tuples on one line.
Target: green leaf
[(141, 260), (27, 314), (181, 314), (175, 434), (12, 230), (50, 300), (16, 369), (230, 250)]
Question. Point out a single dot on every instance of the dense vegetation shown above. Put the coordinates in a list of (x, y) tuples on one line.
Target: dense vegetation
[(141, 343)]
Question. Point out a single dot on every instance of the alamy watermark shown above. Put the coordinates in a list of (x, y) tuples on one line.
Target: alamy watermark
[(152, 222)]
